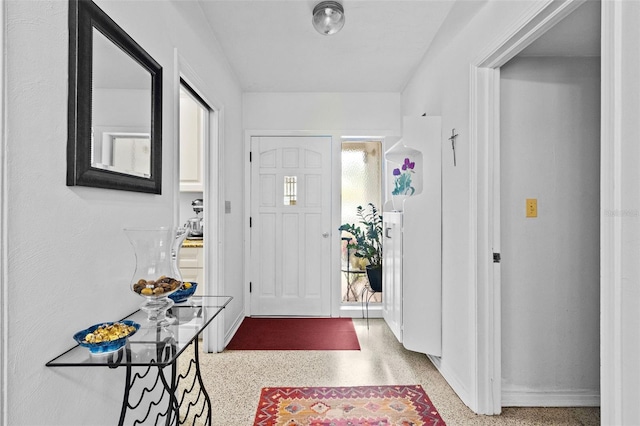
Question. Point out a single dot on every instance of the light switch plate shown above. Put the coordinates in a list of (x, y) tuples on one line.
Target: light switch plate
[(532, 207)]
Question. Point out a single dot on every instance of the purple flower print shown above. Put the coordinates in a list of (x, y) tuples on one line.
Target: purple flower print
[(408, 164), (402, 182)]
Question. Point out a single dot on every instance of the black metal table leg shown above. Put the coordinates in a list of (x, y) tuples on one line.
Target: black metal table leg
[(204, 389), (171, 415), (198, 407)]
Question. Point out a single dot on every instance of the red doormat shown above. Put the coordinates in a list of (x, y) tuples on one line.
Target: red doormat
[(305, 334), (346, 406)]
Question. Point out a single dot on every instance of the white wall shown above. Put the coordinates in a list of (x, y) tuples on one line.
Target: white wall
[(550, 268), (440, 87), (340, 112), (69, 263), (118, 110)]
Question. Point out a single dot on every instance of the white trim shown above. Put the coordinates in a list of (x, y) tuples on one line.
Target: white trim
[(611, 227), (233, 329), (550, 398), (456, 383), (4, 262), (474, 135), (175, 93), (535, 22), (356, 311), (246, 232), (215, 253), (484, 120), (213, 213), (493, 271)]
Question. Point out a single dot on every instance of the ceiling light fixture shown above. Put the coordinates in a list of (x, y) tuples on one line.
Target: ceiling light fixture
[(328, 17)]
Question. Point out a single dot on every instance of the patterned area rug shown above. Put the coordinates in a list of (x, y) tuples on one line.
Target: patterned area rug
[(346, 406)]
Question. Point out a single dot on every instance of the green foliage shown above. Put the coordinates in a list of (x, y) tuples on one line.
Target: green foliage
[(367, 237)]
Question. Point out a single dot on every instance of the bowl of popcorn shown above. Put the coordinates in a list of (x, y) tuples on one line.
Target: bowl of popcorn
[(185, 291), (106, 337)]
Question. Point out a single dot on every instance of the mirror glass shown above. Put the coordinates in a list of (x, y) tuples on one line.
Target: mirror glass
[(121, 111), (115, 106)]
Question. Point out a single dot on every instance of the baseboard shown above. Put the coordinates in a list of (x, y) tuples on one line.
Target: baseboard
[(452, 379), (552, 398), (356, 311), (234, 328)]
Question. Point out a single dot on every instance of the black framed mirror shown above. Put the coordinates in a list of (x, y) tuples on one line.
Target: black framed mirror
[(115, 106)]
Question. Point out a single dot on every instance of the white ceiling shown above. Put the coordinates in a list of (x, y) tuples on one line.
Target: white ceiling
[(272, 46)]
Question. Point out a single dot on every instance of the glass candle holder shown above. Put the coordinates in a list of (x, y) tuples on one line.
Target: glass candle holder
[(156, 275)]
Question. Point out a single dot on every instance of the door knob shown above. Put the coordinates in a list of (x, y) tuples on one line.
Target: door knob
[(325, 235)]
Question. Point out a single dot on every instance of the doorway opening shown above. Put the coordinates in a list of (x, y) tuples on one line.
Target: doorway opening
[(361, 185), (550, 273), (485, 186), (194, 138)]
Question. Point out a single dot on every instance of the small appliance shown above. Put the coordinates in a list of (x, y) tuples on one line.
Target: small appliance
[(194, 225)]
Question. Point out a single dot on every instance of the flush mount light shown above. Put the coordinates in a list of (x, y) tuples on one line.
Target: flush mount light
[(328, 17)]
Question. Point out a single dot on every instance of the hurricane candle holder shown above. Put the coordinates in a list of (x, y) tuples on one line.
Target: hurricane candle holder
[(156, 275)]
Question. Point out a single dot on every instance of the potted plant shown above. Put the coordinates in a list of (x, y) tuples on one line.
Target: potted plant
[(367, 242)]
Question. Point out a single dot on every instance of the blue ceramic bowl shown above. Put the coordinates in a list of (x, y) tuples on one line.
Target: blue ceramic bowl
[(104, 347), (183, 294)]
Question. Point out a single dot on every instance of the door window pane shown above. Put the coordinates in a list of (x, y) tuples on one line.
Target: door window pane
[(290, 190)]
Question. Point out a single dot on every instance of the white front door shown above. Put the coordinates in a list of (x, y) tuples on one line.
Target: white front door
[(290, 226)]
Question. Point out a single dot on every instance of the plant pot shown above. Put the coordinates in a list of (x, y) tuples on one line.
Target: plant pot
[(374, 275)]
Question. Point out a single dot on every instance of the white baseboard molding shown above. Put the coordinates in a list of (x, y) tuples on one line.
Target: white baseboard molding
[(551, 398), (355, 311), (452, 379), (234, 328)]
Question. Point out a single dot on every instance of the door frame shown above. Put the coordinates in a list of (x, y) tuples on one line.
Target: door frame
[(334, 216), (484, 152), (213, 190), (611, 196), (4, 261)]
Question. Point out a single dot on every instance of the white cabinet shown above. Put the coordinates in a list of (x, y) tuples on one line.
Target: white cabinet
[(412, 249), (192, 133), (392, 272), (191, 264)]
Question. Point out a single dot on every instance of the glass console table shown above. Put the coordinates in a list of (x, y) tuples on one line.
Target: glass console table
[(175, 394)]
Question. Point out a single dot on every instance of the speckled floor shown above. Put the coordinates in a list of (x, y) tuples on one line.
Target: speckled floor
[(234, 379)]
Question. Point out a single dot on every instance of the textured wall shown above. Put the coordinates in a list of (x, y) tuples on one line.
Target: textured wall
[(440, 87), (344, 112), (69, 263)]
